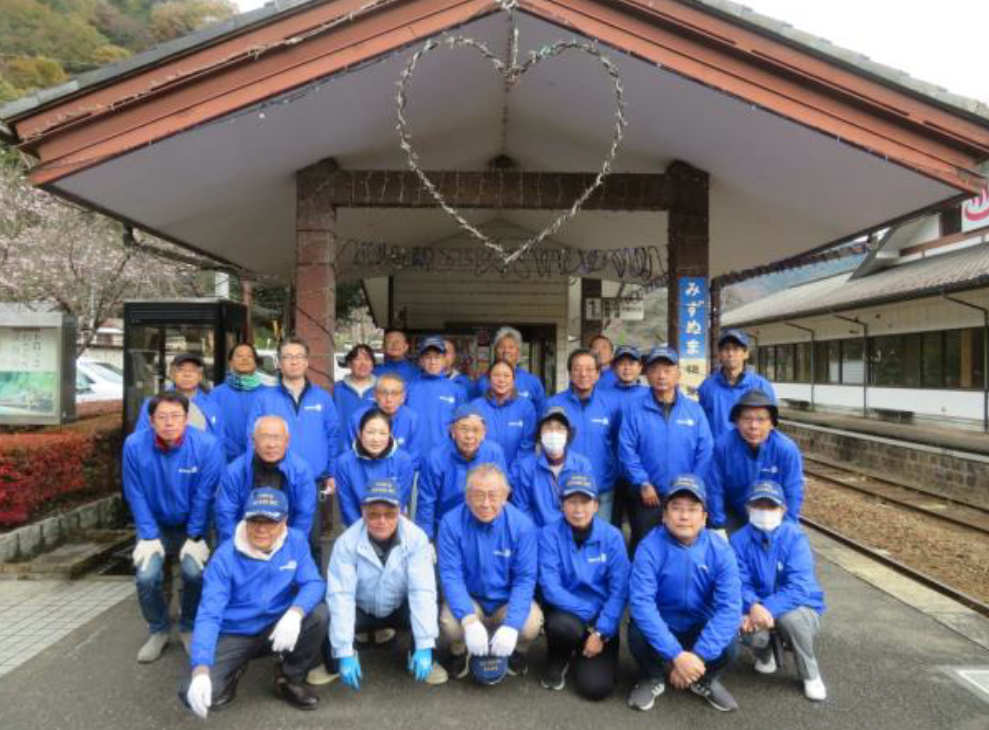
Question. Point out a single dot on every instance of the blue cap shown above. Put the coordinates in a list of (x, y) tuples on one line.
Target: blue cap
[(733, 334), (578, 483), (555, 412), (627, 351), (767, 489), (489, 669), (268, 504), (432, 343), (382, 490), (663, 352), (466, 411), (688, 484)]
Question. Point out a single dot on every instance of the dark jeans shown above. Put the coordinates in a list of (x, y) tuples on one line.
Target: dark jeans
[(620, 507), (399, 619), (653, 666), (565, 636), (641, 518), (234, 651), (151, 584)]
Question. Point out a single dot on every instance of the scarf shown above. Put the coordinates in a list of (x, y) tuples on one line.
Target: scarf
[(244, 382)]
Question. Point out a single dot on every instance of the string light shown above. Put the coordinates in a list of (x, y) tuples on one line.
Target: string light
[(511, 72)]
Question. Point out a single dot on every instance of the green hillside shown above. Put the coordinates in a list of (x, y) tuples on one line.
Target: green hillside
[(45, 42)]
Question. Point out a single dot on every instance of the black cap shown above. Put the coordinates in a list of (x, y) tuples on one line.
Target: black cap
[(183, 357), (558, 413), (755, 399)]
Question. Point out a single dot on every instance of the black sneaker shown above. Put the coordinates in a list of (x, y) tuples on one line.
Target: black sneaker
[(716, 695), (554, 675), (518, 665), (456, 665)]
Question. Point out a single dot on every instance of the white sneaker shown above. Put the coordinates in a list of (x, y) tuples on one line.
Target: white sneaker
[(766, 666), (319, 676), (437, 675), (383, 636), (815, 690)]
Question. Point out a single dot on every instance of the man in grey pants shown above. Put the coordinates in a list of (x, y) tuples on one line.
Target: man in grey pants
[(780, 593)]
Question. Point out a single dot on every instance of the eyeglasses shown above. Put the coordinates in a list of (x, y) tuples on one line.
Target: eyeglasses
[(169, 417), (390, 393), (263, 525)]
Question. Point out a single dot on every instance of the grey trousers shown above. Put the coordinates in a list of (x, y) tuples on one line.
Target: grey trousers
[(797, 628)]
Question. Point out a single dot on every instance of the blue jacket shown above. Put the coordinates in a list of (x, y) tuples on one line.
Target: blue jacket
[(244, 595), (209, 409), (312, 424), (404, 429), (466, 384), (434, 398), (357, 579), (238, 482), (654, 450), (511, 425), (348, 401), (173, 488), (607, 379), (535, 489), (736, 467), (235, 408), (717, 397), (591, 581), (494, 563), (777, 569), (354, 471), (406, 369), (596, 422), (681, 588), (527, 386), (443, 479)]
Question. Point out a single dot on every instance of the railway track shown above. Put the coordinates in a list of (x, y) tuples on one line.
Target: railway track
[(881, 557), (954, 511)]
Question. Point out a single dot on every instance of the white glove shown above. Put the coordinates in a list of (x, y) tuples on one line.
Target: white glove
[(145, 550), (286, 631), (200, 694), (722, 533), (504, 640), (476, 638), (198, 550)]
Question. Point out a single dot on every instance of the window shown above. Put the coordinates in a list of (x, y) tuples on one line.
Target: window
[(933, 361), (827, 362), (894, 360), (852, 363), (802, 363), (784, 363), (951, 220), (963, 358)]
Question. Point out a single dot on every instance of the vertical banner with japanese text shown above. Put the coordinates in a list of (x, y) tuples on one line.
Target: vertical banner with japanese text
[(692, 327)]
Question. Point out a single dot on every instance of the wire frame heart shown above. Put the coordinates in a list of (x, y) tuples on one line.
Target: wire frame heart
[(511, 71)]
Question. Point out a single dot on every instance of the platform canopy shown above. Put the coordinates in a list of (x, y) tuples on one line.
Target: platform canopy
[(199, 141)]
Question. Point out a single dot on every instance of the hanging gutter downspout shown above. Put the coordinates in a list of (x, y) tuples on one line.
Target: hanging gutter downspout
[(813, 368), (985, 356), (865, 359)]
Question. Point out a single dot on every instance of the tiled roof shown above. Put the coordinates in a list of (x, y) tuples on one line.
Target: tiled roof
[(967, 268)]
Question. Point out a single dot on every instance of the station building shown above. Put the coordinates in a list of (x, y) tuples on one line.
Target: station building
[(901, 337), (270, 144)]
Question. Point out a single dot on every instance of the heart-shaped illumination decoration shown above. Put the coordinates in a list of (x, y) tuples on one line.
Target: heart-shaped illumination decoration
[(511, 71)]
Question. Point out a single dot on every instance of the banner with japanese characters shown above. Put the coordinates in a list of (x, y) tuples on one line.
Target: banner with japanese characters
[(692, 332)]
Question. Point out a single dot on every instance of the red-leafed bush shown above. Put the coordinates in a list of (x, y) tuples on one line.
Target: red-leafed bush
[(39, 471)]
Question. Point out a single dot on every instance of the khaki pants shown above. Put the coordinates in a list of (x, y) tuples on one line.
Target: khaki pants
[(453, 632)]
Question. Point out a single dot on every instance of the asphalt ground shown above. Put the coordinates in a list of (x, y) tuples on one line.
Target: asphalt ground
[(883, 662)]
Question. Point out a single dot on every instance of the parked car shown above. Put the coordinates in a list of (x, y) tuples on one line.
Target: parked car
[(97, 381)]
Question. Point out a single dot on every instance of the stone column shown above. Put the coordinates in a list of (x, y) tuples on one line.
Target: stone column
[(315, 268)]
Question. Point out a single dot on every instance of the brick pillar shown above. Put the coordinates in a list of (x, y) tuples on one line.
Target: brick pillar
[(688, 235), (315, 269)]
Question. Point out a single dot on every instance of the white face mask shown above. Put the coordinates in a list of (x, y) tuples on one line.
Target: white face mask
[(766, 520), (553, 442)]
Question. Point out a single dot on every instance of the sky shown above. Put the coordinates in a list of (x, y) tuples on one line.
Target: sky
[(947, 47)]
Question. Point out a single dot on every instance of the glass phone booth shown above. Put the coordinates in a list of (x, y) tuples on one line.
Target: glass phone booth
[(155, 331)]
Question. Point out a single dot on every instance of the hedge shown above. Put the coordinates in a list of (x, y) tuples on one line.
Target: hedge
[(40, 471)]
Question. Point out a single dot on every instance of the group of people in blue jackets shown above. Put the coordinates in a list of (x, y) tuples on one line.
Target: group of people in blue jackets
[(477, 515)]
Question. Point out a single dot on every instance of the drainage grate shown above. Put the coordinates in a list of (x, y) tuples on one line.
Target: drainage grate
[(974, 679)]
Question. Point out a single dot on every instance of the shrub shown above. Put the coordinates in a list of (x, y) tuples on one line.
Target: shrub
[(39, 471)]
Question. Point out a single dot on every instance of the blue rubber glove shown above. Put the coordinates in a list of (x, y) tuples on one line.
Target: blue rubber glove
[(350, 671), (421, 664)]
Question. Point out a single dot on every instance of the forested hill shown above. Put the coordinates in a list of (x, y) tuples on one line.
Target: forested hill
[(45, 42)]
